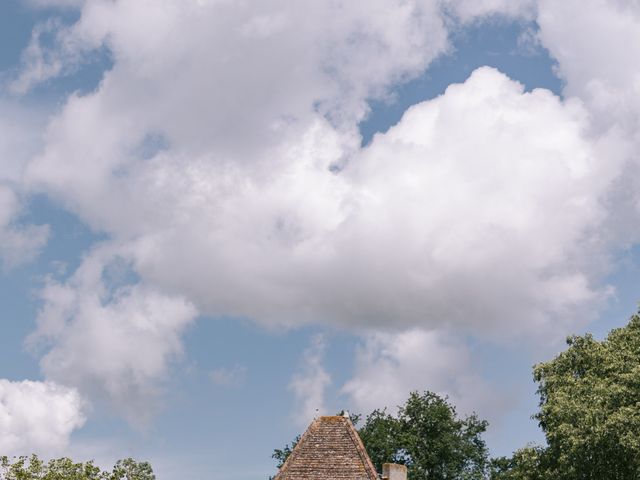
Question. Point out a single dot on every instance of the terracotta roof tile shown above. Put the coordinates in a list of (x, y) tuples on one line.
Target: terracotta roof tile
[(330, 449)]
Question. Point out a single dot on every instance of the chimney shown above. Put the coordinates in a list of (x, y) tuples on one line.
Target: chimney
[(394, 471)]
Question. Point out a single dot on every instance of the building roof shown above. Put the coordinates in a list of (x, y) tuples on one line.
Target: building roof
[(330, 449)]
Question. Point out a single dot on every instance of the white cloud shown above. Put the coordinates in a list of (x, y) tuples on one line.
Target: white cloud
[(390, 365), (18, 243), (220, 155), (481, 209), (37, 417), (112, 340), (309, 383), (275, 59), (596, 49), (474, 10), (19, 140), (41, 66), (21, 130)]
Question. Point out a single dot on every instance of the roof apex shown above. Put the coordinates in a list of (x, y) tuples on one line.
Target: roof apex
[(330, 449)]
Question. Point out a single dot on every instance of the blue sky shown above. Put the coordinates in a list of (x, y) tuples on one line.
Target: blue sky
[(218, 219)]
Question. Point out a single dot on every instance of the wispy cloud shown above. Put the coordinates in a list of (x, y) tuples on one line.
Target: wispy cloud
[(229, 377), (309, 383)]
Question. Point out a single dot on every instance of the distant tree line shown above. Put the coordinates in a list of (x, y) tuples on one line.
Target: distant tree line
[(33, 468), (589, 411)]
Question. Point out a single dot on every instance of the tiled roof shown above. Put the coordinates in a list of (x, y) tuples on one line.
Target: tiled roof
[(330, 449)]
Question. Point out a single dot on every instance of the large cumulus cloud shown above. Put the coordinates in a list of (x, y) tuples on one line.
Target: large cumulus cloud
[(480, 208), (221, 157), (203, 139)]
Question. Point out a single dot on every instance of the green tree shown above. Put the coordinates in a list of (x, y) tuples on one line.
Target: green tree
[(281, 455), (526, 464), (590, 407), (32, 468), (589, 413), (129, 469), (427, 436)]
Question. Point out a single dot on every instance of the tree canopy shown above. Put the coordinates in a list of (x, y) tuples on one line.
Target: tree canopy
[(589, 412), (426, 435), (33, 468), (590, 406)]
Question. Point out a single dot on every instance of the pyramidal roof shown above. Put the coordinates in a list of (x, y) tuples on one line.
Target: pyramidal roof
[(330, 449)]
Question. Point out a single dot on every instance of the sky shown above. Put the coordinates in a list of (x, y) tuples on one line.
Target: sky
[(219, 219)]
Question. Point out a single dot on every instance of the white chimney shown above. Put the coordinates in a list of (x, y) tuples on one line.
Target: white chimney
[(394, 471)]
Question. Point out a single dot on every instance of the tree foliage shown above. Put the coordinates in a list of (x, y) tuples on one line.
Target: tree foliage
[(426, 435), (525, 464), (589, 412), (33, 468), (590, 406), (281, 455)]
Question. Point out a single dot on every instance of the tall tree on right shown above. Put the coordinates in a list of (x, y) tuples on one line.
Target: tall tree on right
[(589, 412), (590, 406)]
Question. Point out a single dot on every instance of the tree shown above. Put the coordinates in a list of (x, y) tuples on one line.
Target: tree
[(129, 469), (32, 468), (590, 407), (427, 436), (282, 455), (525, 464), (589, 412)]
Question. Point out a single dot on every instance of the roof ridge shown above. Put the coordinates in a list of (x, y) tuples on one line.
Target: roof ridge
[(362, 451), (300, 453), (291, 458)]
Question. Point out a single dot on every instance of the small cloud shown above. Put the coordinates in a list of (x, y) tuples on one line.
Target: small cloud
[(19, 242), (309, 383), (27, 424), (529, 43), (112, 343), (58, 267), (229, 377), (390, 365)]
